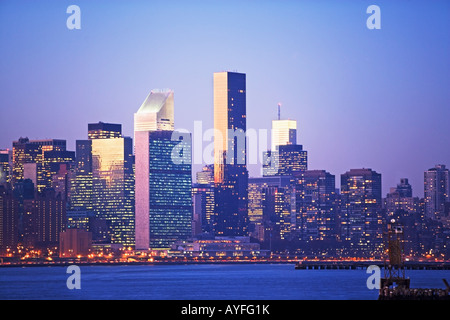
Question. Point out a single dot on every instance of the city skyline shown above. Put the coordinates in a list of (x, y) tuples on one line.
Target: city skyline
[(361, 98)]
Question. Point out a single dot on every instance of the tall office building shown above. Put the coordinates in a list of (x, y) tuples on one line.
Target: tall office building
[(102, 130), (270, 208), (5, 167), (156, 112), (82, 185), (33, 158), (44, 217), (230, 169), (361, 219), (104, 181), (9, 219), (315, 205), (113, 186), (52, 163), (284, 132), (203, 201), (285, 161), (401, 206), (286, 156), (436, 191), (163, 175), (206, 176)]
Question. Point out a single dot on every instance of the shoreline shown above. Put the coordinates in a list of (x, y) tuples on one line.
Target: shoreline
[(302, 264)]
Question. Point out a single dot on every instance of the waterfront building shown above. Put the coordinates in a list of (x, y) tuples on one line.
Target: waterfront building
[(436, 192), (361, 216), (400, 206), (44, 217), (316, 206), (219, 247), (9, 220), (163, 172), (75, 243)]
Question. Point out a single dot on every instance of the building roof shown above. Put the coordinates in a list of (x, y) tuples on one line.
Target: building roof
[(155, 101)]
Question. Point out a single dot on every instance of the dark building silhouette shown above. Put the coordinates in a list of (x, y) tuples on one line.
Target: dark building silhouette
[(230, 168)]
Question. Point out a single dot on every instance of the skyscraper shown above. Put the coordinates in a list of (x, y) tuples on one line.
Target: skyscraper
[(361, 218), (9, 219), (436, 191), (113, 186), (315, 205), (401, 206), (82, 186), (163, 184), (284, 132), (5, 167), (286, 156), (103, 130), (285, 160), (104, 180), (43, 219), (170, 199), (203, 200), (230, 169), (40, 154), (269, 208)]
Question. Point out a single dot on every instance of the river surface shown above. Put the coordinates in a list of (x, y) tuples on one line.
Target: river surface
[(198, 282)]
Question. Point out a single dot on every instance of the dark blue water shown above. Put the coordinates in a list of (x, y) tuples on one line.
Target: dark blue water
[(199, 282)]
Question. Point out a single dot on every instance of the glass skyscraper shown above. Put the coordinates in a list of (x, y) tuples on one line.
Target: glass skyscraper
[(170, 197), (285, 160), (283, 132), (230, 169), (286, 156), (104, 180), (112, 186), (82, 186), (163, 182)]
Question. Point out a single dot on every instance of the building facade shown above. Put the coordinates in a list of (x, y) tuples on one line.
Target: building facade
[(361, 216), (163, 174), (230, 168), (436, 192), (113, 186), (316, 207)]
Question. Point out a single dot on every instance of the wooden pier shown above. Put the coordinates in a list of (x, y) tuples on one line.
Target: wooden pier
[(353, 265)]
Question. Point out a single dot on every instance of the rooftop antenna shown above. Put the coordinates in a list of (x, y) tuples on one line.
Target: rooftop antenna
[(279, 106)]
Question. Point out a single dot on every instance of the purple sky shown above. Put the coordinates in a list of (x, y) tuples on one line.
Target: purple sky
[(377, 99)]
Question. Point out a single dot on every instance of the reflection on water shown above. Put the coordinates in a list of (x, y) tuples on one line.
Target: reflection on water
[(199, 282)]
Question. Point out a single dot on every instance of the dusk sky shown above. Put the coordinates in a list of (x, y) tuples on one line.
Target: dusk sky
[(376, 99)]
